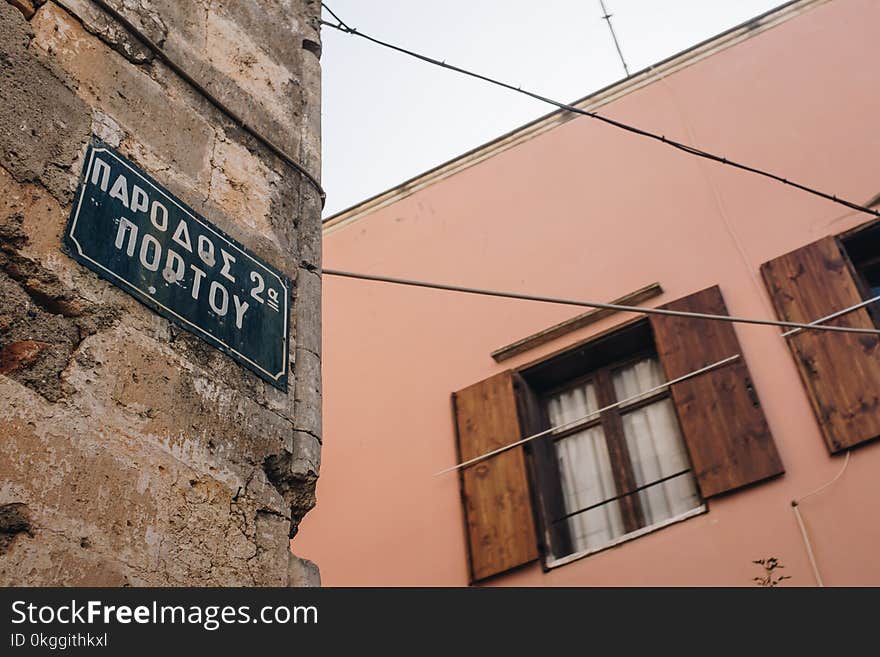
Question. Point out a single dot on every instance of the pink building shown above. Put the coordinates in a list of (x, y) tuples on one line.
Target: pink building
[(630, 482)]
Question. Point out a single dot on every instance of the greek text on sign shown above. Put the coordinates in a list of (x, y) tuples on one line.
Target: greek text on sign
[(133, 232)]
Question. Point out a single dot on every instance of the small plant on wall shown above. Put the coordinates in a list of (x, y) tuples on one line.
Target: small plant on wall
[(771, 577)]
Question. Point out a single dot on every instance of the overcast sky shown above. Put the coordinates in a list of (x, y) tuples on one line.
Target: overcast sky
[(387, 117)]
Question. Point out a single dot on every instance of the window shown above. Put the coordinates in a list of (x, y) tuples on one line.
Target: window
[(621, 463), (634, 458)]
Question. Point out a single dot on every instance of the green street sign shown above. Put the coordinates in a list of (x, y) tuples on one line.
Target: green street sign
[(133, 232)]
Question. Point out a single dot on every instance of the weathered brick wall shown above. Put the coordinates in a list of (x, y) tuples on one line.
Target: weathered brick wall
[(132, 453)]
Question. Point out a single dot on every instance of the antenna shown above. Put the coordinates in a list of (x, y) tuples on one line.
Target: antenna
[(607, 17)]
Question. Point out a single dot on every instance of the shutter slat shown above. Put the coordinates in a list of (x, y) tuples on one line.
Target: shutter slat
[(722, 423), (498, 510), (841, 371)]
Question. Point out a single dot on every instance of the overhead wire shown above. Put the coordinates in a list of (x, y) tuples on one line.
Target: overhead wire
[(815, 325), (160, 53), (795, 327), (596, 413), (595, 304), (343, 27), (716, 193), (338, 20), (835, 315)]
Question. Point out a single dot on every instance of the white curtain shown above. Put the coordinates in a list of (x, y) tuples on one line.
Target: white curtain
[(585, 472), (655, 446), (655, 449)]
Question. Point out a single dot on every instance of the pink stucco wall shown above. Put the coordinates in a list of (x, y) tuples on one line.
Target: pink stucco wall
[(586, 211)]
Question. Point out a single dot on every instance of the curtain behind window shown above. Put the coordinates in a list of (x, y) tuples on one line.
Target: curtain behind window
[(655, 447), (585, 471)]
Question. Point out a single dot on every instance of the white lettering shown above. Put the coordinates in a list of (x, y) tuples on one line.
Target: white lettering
[(139, 199), (260, 286), (175, 268), (104, 168), (198, 275), (154, 212), (227, 260), (151, 264), (212, 298), (181, 236), (240, 310), (206, 250), (125, 224), (120, 190)]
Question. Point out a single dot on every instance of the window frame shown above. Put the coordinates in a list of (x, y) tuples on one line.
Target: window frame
[(546, 480)]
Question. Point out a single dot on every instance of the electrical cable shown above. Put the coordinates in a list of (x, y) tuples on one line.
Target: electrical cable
[(593, 304), (807, 545), (827, 484), (338, 20), (217, 103), (795, 504), (342, 27), (834, 315), (716, 193), (596, 413)]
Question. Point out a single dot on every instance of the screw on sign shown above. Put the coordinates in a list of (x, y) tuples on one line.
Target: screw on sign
[(133, 232)]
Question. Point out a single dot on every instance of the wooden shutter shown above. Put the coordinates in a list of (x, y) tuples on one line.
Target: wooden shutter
[(841, 371), (721, 419), (495, 492)]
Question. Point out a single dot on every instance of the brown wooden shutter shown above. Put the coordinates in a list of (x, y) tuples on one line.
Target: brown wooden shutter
[(495, 492), (841, 371), (721, 419)]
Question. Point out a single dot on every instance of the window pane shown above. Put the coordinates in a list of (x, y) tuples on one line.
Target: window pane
[(586, 478), (572, 405), (631, 381), (872, 278), (585, 471), (655, 445)]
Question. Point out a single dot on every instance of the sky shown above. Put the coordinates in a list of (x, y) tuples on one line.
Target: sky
[(387, 117)]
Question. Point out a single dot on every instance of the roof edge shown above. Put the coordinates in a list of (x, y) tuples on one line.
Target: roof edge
[(591, 102)]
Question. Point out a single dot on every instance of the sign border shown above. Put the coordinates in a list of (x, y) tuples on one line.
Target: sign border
[(279, 380)]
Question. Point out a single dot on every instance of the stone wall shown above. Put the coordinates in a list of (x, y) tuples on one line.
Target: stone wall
[(131, 452)]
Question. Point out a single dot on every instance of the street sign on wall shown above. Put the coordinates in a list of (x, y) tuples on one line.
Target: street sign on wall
[(133, 232)]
